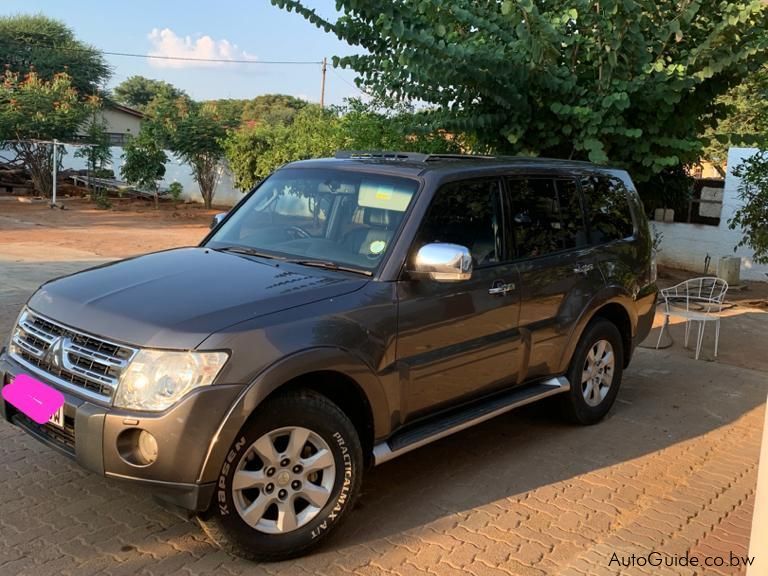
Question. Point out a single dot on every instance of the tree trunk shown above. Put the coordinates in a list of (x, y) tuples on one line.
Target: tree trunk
[(207, 174), (38, 158)]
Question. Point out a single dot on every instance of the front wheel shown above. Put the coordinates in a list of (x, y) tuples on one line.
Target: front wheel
[(288, 480), (595, 373)]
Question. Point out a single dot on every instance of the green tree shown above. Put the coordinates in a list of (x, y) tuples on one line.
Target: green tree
[(138, 91), (630, 82), (752, 217), (144, 162), (264, 109), (49, 47), (745, 123), (97, 153), (33, 109), (254, 151), (195, 133)]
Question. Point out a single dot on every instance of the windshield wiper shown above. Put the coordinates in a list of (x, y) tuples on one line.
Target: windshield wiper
[(248, 252), (328, 265)]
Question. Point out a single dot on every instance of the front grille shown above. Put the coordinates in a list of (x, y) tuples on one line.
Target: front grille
[(62, 438), (70, 357)]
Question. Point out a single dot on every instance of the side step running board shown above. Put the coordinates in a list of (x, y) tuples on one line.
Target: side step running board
[(465, 417)]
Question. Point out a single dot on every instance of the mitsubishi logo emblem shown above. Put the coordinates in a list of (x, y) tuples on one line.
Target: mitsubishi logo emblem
[(55, 356)]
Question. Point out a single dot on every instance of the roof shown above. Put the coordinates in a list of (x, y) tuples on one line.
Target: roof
[(413, 164), (125, 109)]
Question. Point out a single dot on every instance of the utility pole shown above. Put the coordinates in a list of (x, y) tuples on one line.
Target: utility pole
[(322, 85)]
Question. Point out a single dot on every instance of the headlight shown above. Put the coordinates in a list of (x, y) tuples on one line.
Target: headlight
[(156, 379)]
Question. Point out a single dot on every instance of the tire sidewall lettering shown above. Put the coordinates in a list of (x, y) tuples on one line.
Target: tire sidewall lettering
[(221, 495), (343, 497)]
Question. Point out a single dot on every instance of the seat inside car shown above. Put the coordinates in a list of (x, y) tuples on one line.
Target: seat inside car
[(374, 237)]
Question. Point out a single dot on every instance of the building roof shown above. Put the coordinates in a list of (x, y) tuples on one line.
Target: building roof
[(125, 109)]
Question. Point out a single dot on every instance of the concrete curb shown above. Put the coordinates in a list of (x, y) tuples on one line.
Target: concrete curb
[(758, 542)]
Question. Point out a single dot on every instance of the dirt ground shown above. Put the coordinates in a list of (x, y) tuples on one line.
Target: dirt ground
[(673, 468), (129, 227)]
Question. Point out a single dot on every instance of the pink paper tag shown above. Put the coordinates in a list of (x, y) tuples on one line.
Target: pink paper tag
[(35, 399)]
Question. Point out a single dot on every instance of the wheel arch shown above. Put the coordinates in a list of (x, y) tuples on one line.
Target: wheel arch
[(333, 372), (616, 307)]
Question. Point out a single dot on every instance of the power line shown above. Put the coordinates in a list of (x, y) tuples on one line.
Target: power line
[(217, 60), (348, 83), (160, 57)]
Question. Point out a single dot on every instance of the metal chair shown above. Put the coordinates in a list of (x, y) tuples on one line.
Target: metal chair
[(698, 300)]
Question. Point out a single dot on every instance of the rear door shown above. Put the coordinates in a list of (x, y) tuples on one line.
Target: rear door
[(458, 339), (557, 266), (618, 253)]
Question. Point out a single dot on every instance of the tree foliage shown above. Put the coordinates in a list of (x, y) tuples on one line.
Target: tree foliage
[(49, 48), (144, 162), (97, 152), (32, 109), (264, 109), (632, 82), (138, 91), (745, 121), (195, 132), (253, 152), (752, 217)]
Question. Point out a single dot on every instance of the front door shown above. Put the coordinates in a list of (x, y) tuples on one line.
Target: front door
[(558, 272), (460, 339)]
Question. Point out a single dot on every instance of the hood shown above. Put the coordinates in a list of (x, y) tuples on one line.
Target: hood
[(177, 298)]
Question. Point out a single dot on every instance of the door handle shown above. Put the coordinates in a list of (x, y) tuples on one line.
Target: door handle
[(583, 269), (501, 289)]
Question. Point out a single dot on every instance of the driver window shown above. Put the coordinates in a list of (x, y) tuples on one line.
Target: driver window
[(466, 213)]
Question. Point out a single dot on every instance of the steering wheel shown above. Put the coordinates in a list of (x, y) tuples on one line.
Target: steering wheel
[(299, 232)]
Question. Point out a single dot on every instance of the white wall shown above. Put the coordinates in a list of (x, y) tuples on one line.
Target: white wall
[(686, 245), (175, 171)]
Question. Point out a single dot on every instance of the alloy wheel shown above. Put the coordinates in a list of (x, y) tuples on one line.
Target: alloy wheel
[(283, 480), (597, 374)]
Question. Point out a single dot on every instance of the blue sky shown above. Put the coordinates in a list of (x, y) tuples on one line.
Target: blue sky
[(229, 29)]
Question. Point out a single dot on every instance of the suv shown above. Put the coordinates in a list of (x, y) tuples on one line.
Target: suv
[(345, 312)]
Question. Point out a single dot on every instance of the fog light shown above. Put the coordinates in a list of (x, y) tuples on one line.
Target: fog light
[(147, 447), (137, 447)]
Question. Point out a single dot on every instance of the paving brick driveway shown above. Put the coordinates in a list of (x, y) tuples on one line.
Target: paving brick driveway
[(672, 469)]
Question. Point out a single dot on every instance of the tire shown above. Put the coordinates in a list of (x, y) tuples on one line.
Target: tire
[(595, 380), (253, 518)]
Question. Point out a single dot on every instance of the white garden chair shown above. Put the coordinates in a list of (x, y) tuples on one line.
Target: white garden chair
[(697, 300)]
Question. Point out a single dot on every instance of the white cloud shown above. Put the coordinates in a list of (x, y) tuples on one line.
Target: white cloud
[(167, 43)]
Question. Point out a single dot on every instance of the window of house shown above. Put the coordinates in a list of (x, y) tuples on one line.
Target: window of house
[(466, 213), (608, 211), (546, 215)]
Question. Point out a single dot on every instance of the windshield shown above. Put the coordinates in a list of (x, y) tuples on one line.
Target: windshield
[(331, 216)]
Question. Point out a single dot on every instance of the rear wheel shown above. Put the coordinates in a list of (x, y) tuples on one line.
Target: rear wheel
[(595, 373), (288, 480)]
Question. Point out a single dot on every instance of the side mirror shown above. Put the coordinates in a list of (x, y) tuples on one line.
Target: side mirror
[(443, 262), (217, 219)]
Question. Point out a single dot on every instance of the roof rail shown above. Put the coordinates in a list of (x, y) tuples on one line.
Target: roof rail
[(412, 156), (433, 157), (383, 155)]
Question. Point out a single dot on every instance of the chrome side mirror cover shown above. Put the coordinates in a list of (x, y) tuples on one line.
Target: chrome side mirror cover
[(443, 262), (217, 219)]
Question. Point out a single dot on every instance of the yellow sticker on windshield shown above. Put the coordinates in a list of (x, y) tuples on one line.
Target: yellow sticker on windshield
[(377, 247)]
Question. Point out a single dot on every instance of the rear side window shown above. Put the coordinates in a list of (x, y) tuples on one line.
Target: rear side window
[(546, 215), (608, 211)]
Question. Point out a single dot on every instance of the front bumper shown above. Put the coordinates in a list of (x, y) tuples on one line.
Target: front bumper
[(90, 436)]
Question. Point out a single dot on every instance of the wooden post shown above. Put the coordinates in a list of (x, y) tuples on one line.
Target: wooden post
[(55, 175)]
